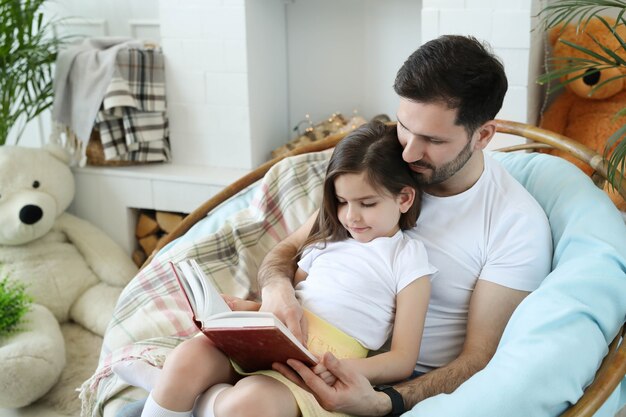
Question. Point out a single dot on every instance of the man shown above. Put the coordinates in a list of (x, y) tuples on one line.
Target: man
[(487, 236)]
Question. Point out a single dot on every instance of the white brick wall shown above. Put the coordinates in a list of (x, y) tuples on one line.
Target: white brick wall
[(211, 73), (507, 27), (233, 84)]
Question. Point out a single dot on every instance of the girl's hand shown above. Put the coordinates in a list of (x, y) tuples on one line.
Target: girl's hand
[(321, 371), (239, 304)]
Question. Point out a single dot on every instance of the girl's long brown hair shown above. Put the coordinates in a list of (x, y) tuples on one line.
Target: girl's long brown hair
[(375, 150)]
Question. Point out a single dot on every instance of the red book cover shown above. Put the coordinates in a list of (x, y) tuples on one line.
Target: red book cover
[(256, 348)]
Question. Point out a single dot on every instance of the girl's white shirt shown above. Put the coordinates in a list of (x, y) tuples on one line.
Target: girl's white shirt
[(354, 285)]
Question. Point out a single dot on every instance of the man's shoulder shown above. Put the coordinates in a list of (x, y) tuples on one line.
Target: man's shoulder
[(508, 193), (514, 210)]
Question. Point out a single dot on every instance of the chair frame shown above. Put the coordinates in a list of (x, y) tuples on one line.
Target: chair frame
[(613, 368)]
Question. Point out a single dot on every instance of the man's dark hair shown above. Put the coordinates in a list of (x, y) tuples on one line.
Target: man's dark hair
[(459, 71)]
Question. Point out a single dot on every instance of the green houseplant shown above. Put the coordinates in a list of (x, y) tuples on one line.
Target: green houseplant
[(28, 49), (567, 69), (14, 303)]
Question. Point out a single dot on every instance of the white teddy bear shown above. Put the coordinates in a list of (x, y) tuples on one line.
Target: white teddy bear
[(72, 270)]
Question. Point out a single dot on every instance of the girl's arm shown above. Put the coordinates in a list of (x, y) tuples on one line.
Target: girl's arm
[(399, 362)]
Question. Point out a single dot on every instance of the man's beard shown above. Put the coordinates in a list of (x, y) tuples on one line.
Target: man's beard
[(441, 174)]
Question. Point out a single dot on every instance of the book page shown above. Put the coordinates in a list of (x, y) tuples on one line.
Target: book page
[(215, 304), (191, 289), (202, 294)]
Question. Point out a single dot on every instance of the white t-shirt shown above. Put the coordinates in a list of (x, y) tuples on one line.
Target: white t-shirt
[(354, 285), (494, 231)]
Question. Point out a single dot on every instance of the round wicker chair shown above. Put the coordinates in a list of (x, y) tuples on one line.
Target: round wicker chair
[(613, 368)]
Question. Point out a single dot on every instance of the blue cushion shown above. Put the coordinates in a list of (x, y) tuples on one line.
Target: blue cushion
[(558, 335)]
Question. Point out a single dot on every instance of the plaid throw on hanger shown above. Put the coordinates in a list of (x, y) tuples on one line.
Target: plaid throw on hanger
[(132, 119)]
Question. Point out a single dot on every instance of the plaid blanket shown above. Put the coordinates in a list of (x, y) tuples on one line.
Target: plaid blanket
[(151, 317), (132, 119), (83, 72)]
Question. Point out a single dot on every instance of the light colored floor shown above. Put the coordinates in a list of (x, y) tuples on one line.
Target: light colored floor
[(33, 411)]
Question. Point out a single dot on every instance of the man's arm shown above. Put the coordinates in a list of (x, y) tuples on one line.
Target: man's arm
[(491, 307), (275, 278)]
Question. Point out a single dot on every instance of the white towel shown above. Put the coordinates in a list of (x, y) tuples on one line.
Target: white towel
[(83, 73)]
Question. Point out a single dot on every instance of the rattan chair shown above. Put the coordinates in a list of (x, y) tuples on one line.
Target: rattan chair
[(613, 368)]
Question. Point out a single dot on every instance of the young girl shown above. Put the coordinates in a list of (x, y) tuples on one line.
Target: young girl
[(357, 271)]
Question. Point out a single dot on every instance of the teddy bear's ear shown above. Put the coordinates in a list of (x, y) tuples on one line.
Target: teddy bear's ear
[(59, 152), (555, 32)]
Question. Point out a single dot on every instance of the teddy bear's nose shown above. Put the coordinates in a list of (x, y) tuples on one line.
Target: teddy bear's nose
[(591, 77), (30, 214)]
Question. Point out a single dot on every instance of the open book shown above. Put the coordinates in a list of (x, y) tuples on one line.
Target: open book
[(252, 339)]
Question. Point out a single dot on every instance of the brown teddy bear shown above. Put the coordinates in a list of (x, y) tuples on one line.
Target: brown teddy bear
[(585, 116)]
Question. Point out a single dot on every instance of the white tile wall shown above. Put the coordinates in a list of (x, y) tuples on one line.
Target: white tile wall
[(205, 120), (511, 57), (210, 88), (183, 85), (147, 30), (226, 88), (430, 24), (515, 104), (443, 4), (507, 27), (481, 4), (476, 22), (511, 29), (234, 121), (234, 56), (185, 22), (208, 55), (232, 22)]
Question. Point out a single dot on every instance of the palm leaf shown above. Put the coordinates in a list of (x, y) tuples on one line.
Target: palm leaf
[(617, 159), (580, 11), (28, 50)]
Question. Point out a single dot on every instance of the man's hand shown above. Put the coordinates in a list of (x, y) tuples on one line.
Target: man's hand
[(280, 299), (351, 393), (275, 277)]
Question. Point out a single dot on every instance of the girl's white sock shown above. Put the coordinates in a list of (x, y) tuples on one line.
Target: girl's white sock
[(137, 373), (152, 409), (206, 401)]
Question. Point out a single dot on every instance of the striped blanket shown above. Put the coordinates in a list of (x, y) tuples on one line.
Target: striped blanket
[(151, 317), (132, 120)]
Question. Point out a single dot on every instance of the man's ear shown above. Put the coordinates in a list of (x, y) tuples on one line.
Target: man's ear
[(485, 133), (406, 198)]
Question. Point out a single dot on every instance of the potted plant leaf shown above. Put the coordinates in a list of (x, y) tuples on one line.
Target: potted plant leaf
[(568, 69), (28, 50), (14, 303)]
